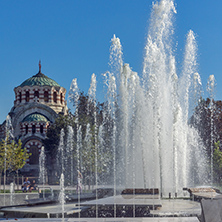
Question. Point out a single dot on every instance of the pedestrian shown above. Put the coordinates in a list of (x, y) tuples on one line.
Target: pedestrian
[(79, 182)]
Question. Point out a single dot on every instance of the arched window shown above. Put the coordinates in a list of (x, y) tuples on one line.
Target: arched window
[(41, 129), (36, 94), (27, 96), (26, 129), (61, 97), (20, 97), (54, 97), (46, 96), (34, 158), (33, 129)]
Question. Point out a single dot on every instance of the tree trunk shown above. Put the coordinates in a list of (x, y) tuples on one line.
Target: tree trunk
[(0, 180), (14, 179), (4, 179), (17, 180), (89, 184)]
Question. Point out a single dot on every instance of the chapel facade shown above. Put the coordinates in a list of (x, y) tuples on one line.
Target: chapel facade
[(38, 101)]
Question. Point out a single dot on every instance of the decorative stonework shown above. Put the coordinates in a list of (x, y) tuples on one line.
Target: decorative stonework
[(33, 143), (38, 101)]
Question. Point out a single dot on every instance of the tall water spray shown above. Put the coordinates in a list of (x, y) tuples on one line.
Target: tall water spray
[(92, 100), (184, 95), (12, 193), (155, 110), (146, 119), (211, 90), (74, 98), (111, 112), (42, 169), (159, 77), (70, 155), (62, 195), (87, 144), (60, 155), (8, 137), (79, 147)]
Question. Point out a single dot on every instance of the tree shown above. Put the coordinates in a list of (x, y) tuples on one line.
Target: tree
[(217, 162), (92, 146), (208, 121), (51, 143), (4, 157), (86, 157), (12, 156), (53, 133), (17, 156)]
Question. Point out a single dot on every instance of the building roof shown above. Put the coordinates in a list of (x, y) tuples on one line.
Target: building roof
[(35, 117), (39, 80)]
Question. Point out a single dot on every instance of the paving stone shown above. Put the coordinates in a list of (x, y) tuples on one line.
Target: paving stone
[(211, 210), (165, 219)]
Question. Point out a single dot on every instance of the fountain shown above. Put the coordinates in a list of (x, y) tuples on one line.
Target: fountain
[(211, 90), (62, 195), (70, 154), (154, 111), (42, 170), (145, 123), (92, 99), (153, 152), (152, 145), (8, 137), (12, 194)]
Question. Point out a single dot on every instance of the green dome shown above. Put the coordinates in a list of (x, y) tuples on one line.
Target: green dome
[(35, 117), (39, 80)]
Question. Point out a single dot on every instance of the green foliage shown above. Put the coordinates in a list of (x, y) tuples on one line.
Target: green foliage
[(217, 162), (18, 156), (207, 119), (53, 133), (62, 122), (12, 155), (89, 149), (4, 155)]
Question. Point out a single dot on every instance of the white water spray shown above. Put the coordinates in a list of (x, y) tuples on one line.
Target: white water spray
[(60, 155), (211, 90), (70, 154), (12, 194), (62, 195), (42, 169), (92, 100), (154, 111)]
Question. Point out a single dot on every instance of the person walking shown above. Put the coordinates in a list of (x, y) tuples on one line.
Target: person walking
[(79, 182)]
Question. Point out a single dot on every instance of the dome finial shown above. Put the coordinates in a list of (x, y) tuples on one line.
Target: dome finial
[(40, 66)]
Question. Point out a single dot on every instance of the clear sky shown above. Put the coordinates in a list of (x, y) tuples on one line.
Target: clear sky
[(72, 39)]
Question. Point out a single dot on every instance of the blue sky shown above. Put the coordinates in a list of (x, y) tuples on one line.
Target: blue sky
[(72, 39)]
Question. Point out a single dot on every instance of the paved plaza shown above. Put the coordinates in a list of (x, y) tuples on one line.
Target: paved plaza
[(172, 208), (165, 219)]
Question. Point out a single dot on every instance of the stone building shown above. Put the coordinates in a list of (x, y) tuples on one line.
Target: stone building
[(38, 101)]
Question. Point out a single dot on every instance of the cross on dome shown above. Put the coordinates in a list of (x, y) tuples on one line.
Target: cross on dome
[(40, 66)]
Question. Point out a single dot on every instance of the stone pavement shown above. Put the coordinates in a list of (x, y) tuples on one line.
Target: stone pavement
[(211, 210), (170, 208), (165, 219), (16, 199), (177, 207)]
